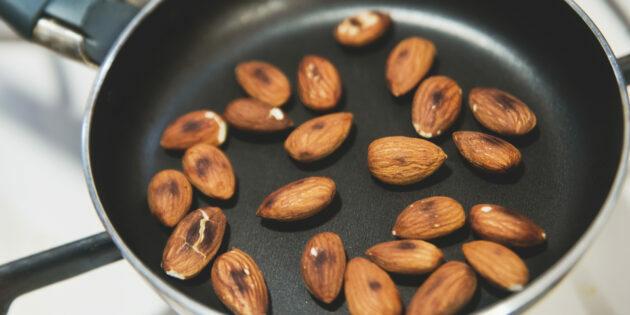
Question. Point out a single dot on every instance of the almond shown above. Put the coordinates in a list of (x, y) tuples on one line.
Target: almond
[(487, 152), (406, 257), (436, 105), (501, 112), (430, 218), (497, 264), (408, 63), (319, 84), (202, 126), (298, 200), (369, 290), (319, 137), (498, 224), (210, 171), (193, 243), (362, 29), (253, 115), (239, 284), (446, 291), (169, 196), (263, 81), (323, 266)]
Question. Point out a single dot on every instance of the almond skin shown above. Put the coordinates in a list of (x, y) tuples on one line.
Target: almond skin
[(369, 290), (323, 266), (169, 196), (430, 218), (202, 126), (298, 200), (497, 264), (319, 83), (487, 152), (408, 63), (252, 115), (263, 81), (413, 257), (362, 29), (498, 224), (446, 291), (501, 112), (210, 171), (193, 243), (436, 105), (319, 137)]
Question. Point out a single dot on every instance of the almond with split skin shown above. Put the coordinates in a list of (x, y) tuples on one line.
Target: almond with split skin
[(323, 266), (430, 218), (370, 290), (263, 81), (436, 105), (202, 126), (210, 171), (298, 200), (169, 196), (362, 29), (408, 63), (319, 137), (319, 83), (487, 152), (255, 116), (412, 257), (497, 264), (498, 224), (501, 112)]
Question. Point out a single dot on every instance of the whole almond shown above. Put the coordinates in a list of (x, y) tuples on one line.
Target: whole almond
[(202, 126), (263, 81), (298, 200), (319, 137), (436, 105), (323, 266), (407, 257), (487, 152), (239, 284), (369, 290), (430, 218), (319, 84), (408, 63), (446, 291), (193, 243), (497, 264), (253, 115), (210, 171), (498, 224), (169, 196), (362, 29), (501, 112)]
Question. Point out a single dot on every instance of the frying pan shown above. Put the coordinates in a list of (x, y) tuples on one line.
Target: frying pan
[(178, 56)]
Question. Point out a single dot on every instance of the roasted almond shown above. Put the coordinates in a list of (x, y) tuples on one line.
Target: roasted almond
[(446, 291), (406, 257), (169, 196), (430, 218), (263, 81), (323, 266), (408, 63), (210, 171), (369, 290), (193, 243), (319, 137), (498, 224), (298, 200), (497, 264), (362, 29), (319, 84), (436, 105), (487, 152), (253, 115), (202, 126), (239, 284), (501, 112)]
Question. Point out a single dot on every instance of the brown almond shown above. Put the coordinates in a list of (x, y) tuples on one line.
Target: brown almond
[(408, 63), (319, 137), (497, 264), (298, 200), (446, 291), (430, 218), (202, 126), (436, 105), (169, 196), (253, 115), (193, 243), (323, 266), (362, 29), (501, 112), (239, 284), (487, 152), (210, 171), (319, 83), (406, 256), (370, 290), (263, 81), (498, 224)]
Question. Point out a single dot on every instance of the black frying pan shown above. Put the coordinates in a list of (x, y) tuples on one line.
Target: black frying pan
[(178, 56)]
